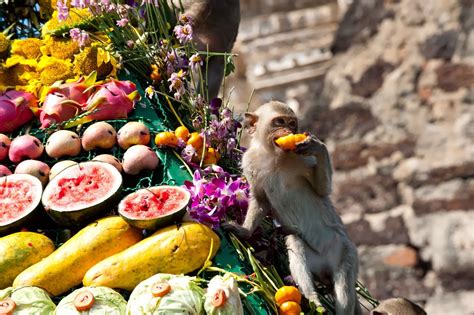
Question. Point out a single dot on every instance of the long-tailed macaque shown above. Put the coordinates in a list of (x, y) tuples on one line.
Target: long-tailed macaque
[(215, 28), (397, 306), (295, 188)]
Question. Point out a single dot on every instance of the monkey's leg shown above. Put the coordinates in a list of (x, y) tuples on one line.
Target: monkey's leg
[(297, 255), (215, 74), (344, 284)]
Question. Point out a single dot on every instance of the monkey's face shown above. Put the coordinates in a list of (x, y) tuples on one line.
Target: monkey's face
[(280, 126)]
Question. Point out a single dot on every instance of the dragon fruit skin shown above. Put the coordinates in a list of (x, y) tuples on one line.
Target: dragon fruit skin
[(16, 109), (109, 102), (126, 86), (63, 102), (57, 108)]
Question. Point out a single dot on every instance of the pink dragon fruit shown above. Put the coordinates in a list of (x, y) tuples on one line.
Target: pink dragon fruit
[(126, 86), (109, 102), (64, 102), (16, 109)]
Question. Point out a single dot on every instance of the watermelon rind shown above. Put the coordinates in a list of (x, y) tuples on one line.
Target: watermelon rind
[(77, 215), (159, 221), (15, 223)]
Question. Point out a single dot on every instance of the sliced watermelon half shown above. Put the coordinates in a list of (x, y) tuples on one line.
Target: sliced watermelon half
[(20, 196), (154, 207), (82, 193)]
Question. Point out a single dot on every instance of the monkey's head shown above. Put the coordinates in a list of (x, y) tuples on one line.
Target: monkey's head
[(270, 122)]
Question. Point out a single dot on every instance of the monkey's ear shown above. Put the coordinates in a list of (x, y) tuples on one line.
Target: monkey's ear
[(250, 122)]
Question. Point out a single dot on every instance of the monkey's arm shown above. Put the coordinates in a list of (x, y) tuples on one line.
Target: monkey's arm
[(259, 207), (321, 175)]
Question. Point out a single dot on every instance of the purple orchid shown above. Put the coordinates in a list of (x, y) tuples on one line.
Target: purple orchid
[(216, 195)]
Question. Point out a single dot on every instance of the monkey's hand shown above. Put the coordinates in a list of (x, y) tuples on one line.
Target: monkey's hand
[(311, 146), (238, 230)]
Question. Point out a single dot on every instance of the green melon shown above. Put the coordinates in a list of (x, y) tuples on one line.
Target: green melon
[(82, 193), (20, 196), (154, 207)]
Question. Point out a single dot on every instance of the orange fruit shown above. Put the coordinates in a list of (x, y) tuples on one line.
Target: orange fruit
[(290, 308), (182, 133), (166, 139), (211, 157), (195, 140), (288, 142), (287, 293)]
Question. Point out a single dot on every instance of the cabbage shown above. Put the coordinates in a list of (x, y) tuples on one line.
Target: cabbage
[(29, 300), (233, 304), (185, 297), (106, 301)]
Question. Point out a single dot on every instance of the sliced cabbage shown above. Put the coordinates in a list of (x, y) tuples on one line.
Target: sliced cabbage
[(29, 300), (106, 301), (185, 297), (232, 305)]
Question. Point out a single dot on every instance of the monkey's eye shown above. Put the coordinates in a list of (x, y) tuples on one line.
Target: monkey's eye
[(292, 124), (279, 122)]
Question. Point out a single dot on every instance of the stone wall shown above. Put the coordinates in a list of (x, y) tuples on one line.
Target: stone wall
[(392, 96)]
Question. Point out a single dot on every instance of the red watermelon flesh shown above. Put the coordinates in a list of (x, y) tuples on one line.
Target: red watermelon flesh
[(20, 194), (81, 187), (154, 207)]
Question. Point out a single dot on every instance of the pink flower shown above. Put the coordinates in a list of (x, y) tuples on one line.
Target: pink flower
[(82, 37), (185, 19), (130, 43), (122, 22), (177, 83), (195, 61), (80, 3), (184, 33), (63, 11)]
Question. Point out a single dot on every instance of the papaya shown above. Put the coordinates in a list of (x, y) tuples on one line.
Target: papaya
[(176, 249), (20, 250), (66, 266)]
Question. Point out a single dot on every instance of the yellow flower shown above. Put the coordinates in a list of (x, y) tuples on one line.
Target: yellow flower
[(4, 45), (75, 17), (95, 58), (61, 48), (20, 60), (53, 69), (21, 70), (28, 47)]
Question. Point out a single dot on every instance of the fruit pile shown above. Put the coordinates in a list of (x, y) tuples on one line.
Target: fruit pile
[(182, 137), (81, 101)]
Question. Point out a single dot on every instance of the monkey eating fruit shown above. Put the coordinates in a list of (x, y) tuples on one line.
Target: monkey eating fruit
[(295, 187), (288, 143)]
